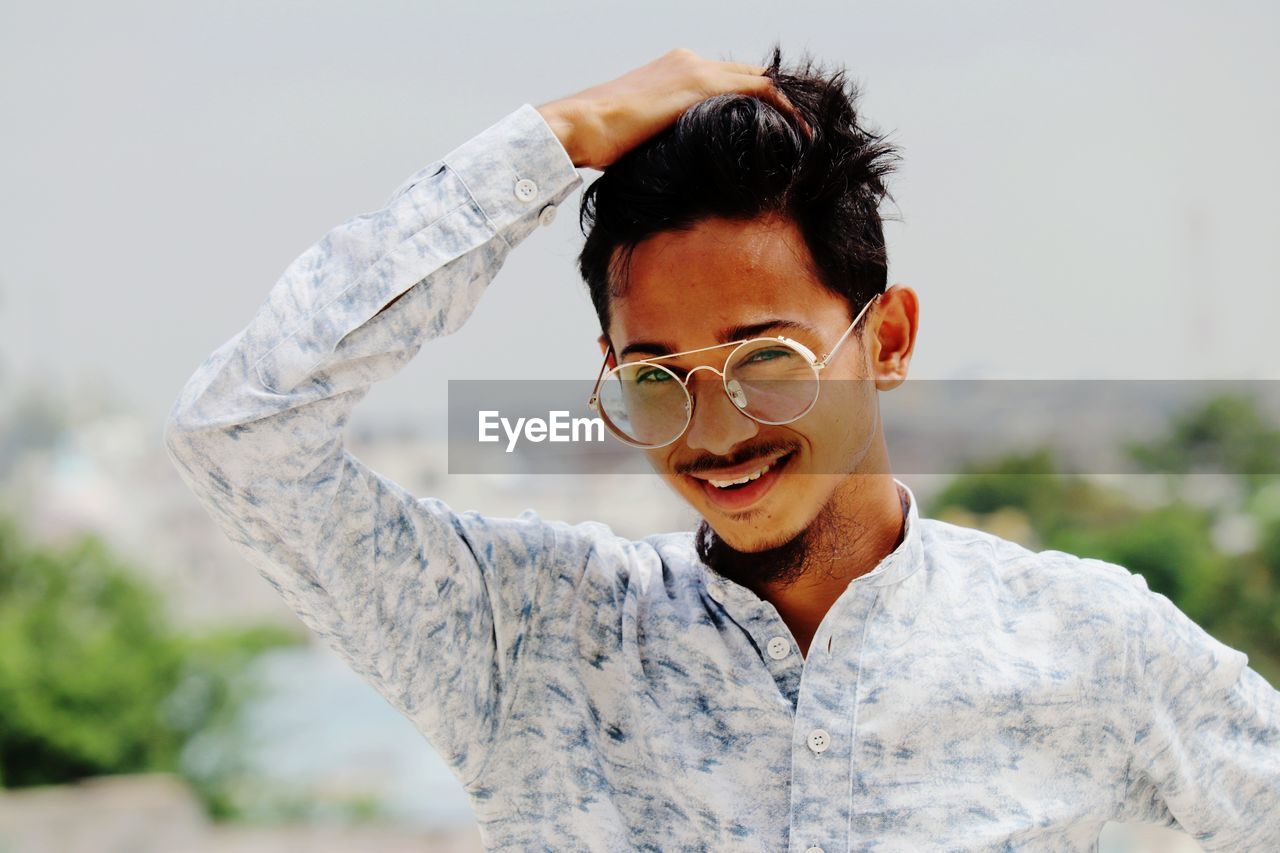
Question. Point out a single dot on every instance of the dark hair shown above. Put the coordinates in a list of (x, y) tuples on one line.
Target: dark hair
[(738, 157)]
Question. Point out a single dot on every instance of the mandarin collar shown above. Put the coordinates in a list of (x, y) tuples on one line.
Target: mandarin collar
[(893, 568)]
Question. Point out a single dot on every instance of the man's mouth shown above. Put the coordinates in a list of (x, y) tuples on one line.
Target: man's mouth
[(737, 490)]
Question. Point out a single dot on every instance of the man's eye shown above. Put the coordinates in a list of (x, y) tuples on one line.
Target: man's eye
[(767, 355), (652, 375)]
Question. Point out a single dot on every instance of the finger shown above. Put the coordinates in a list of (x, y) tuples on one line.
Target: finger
[(766, 89), (742, 68)]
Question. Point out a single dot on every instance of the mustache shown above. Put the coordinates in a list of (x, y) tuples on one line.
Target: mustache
[(746, 454)]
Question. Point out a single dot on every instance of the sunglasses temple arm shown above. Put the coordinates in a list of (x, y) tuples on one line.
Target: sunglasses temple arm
[(595, 392), (823, 363)]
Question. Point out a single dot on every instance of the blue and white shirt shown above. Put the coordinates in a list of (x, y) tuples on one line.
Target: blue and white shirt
[(594, 692)]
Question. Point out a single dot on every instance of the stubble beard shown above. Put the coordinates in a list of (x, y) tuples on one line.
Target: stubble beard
[(816, 547)]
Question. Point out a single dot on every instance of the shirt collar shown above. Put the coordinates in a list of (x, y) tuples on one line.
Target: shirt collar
[(902, 561), (895, 567)]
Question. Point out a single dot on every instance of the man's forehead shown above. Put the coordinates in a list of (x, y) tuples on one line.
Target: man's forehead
[(706, 284), (716, 246)]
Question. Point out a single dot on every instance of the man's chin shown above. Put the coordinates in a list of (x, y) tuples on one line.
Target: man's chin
[(746, 538), (752, 559)]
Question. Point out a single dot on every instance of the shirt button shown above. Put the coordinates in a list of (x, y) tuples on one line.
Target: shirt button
[(714, 592), (779, 648), (548, 215), (814, 850), (819, 740), (526, 190)]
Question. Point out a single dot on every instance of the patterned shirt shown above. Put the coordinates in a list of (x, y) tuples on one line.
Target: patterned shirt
[(595, 692)]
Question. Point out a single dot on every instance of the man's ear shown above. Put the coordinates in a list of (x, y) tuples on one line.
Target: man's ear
[(893, 338)]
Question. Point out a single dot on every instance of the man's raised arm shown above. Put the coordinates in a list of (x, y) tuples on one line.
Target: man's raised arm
[(429, 605), (403, 589)]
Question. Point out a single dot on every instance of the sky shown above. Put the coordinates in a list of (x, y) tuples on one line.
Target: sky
[(1088, 190)]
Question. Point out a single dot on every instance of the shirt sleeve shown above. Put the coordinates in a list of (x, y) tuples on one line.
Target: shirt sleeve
[(428, 605), (1206, 752)]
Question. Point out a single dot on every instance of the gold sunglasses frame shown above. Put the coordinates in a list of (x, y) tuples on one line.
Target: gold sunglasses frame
[(815, 363)]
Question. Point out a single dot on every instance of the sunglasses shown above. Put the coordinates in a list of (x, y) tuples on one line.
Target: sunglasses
[(770, 380)]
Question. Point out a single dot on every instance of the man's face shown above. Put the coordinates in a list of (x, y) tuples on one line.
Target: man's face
[(701, 287)]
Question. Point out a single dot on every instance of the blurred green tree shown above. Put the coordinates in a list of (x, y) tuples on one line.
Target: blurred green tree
[(93, 677), (1227, 435), (1228, 584)]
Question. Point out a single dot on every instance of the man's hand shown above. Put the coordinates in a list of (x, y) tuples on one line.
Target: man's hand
[(600, 124)]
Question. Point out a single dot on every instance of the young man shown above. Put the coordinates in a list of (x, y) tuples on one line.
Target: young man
[(818, 668)]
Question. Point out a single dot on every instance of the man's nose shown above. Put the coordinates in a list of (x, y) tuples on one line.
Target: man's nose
[(717, 424)]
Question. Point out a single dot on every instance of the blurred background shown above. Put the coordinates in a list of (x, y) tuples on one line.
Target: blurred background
[(1089, 191)]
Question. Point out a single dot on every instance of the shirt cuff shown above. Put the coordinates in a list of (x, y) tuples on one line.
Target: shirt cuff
[(514, 170)]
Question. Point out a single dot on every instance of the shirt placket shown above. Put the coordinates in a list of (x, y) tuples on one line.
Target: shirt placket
[(769, 634), (822, 743)]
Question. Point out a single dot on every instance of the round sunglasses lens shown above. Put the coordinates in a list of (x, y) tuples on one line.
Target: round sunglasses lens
[(644, 404), (771, 381)]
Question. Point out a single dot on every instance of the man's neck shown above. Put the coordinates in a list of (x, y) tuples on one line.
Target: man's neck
[(840, 553)]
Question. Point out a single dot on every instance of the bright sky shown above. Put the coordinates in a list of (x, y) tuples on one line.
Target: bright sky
[(1088, 190)]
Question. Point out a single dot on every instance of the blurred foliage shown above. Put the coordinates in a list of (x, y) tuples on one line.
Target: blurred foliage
[(275, 803), (1225, 435), (95, 680), (1201, 522)]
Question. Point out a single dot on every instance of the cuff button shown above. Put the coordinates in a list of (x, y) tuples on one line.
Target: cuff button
[(526, 190), (547, 215)]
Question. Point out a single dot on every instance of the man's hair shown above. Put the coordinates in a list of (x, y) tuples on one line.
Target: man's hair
[(738, 157)]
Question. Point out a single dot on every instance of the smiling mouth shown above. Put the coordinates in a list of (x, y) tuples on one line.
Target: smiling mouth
[(738, 493), (728, 484)]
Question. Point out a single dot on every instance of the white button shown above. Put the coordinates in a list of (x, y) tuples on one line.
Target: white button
[(819, 740), (814, 850), (714, 592), (779, 648), (548, 215), (526, 190)]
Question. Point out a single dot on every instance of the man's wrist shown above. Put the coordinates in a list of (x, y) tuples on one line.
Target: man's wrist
[(560, 117), (513, 170)]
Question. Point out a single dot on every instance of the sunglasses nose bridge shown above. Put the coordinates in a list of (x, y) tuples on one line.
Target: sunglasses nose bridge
[(724, 382), (694, 370), (730, 387)]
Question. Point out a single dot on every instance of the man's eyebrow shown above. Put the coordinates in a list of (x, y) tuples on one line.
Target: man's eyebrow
[(751, 330), (731, 333)]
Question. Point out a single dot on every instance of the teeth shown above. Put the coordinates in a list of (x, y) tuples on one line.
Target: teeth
[(720, 484)]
